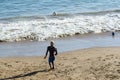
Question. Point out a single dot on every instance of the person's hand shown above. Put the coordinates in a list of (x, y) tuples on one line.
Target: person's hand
[(45, 57)]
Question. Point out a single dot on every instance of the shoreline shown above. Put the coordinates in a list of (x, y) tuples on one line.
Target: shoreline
[(80, 36), (70, 43), (96, 63)]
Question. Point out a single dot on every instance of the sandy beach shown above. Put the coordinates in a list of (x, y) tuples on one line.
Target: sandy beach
[(99, 63), (85, 33)]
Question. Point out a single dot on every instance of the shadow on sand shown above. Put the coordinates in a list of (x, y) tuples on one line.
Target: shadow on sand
[(24, 75)]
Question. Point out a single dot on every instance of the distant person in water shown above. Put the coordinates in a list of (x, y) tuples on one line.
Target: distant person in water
[(52, 52), (113, 34), (54, 14)]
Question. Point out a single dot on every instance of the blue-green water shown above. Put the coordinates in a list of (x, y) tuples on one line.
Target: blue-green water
[(17, 8), (33, 20)]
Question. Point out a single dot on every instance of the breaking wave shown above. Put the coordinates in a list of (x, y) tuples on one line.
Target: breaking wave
[(43, 27)]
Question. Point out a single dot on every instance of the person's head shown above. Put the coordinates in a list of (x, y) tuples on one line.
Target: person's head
[(51, 43)]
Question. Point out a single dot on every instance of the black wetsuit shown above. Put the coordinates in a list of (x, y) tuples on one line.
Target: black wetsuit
[(51, 50)]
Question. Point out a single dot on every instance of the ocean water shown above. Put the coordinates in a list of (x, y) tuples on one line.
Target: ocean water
[(38, 48), (33, 19)]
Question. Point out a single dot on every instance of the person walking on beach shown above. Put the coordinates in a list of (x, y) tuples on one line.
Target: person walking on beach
[(52, 52)]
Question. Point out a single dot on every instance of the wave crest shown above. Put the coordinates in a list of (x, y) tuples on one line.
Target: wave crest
[(55, 27)]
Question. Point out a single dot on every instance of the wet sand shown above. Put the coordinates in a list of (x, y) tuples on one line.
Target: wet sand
[(99, 63), (35, 48)]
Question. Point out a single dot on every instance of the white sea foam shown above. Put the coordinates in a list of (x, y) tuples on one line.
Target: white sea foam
[(59, 26)]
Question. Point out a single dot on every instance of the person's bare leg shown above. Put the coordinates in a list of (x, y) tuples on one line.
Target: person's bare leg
[(52, 65)]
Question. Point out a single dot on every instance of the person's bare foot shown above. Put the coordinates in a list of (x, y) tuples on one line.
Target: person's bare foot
[(53, 68)]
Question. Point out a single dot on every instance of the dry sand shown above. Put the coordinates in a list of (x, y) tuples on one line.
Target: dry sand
[(85, 64)]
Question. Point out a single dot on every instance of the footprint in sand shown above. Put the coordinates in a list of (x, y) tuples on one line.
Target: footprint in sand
[(118, 71), (17, 61)]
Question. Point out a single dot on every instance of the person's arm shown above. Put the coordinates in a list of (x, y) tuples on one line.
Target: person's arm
[(46, 53), (56, 51)]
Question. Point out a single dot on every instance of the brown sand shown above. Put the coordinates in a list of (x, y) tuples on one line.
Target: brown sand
[(86, 64)]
